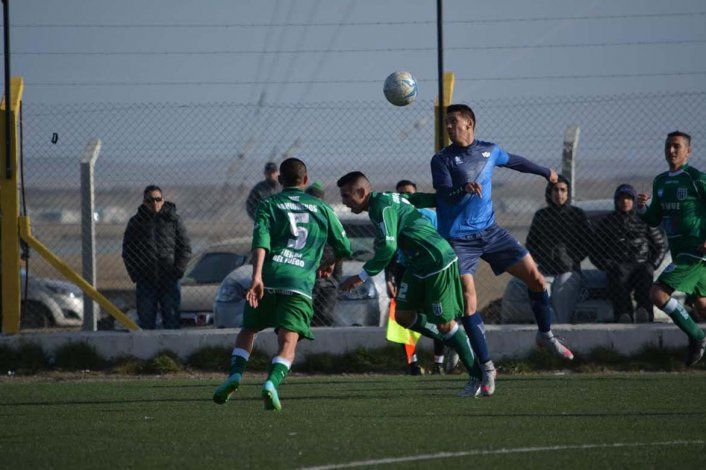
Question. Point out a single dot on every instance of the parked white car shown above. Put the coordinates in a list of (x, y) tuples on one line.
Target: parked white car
[(50, 302)]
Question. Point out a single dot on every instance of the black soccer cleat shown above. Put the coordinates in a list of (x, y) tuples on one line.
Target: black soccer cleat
[(695, 351)]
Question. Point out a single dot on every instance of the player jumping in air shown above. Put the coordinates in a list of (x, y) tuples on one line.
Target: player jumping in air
[(291, 229), (679, 205), (462, 176), (429, 297)]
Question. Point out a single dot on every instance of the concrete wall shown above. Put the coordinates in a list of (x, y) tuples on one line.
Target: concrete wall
[(505, 341)]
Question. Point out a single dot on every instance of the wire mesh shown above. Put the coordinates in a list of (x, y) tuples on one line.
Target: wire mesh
[(206, 157)]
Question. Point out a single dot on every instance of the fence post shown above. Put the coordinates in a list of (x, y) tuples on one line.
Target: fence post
[(88, 231), (568, 158)]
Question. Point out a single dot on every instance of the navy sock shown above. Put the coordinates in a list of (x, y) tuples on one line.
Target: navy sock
[(542, 309), (476, 334)]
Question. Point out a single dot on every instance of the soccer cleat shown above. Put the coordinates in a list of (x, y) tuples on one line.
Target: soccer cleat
[(553, 344), (487, 387), (416, 369), (695, 351), (270, 397), (227, 388), (451, 360), (471, 389), (438, 369)]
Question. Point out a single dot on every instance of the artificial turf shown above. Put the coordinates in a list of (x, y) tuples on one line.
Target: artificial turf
[(574, 420)]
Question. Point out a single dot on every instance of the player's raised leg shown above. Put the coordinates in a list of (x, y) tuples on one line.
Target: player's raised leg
[(660, 294), (526, 270), (238, 362)]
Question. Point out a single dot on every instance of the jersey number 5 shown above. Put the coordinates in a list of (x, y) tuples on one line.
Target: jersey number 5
[(300, 233)]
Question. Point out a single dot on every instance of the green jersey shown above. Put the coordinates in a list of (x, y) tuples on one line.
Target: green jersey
[(294, 227), (399, 225), (679, 205)]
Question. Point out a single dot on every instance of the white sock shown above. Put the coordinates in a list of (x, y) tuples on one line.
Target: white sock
[(241, 353)]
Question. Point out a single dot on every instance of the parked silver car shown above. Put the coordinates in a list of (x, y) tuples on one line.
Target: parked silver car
[(50, 302), (204, 274)]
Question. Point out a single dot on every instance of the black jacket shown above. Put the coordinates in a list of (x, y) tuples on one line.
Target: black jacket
[(155, 246), (625, 238), (560, 236)]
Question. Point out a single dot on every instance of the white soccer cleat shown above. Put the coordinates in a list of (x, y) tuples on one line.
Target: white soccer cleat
[(451, 360), (471, 389), (553, 344), (487, 387)]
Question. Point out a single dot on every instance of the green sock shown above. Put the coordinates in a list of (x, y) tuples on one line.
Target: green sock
[(681, 318), (427, 329), (238, 361), (278, 370), (459, 343)]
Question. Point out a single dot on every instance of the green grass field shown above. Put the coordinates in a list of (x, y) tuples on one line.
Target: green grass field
[(580, 420)]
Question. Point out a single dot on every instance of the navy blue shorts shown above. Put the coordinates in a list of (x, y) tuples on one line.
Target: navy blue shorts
[(495, 245)]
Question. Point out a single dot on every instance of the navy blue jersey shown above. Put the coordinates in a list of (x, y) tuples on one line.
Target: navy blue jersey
[(459, 213)]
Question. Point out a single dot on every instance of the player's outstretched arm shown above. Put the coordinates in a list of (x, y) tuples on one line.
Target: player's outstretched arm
[(523, 165)]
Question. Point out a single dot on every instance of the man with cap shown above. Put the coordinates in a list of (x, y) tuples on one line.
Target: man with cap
[(629, 251), (263, 189)]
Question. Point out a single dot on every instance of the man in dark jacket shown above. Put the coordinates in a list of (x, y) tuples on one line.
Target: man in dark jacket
[(629, 251), (156, 250), (558, 240), (263, 189)]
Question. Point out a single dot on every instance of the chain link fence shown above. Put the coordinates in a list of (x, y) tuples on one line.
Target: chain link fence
[(206, 158)]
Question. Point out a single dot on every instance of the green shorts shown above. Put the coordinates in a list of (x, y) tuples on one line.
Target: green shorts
[(292, 312), (688, 277), (439, 296)]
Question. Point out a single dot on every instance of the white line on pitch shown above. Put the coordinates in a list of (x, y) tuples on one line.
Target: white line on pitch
[(515, 450)]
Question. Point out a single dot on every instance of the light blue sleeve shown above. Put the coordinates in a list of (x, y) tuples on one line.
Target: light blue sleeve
[(501, 157)]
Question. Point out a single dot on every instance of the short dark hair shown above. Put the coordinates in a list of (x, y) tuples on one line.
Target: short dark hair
[(270, 167), (405, 183), (686, 136), (464, 110), (350, 178), (292, 172), (150, 188)]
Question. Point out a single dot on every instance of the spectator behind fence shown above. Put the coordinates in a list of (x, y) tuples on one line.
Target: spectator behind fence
[(629, 251), (156, 250), (559, 239), (325, 293), (263, 189)]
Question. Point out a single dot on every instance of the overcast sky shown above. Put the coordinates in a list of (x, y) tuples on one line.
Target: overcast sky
[(322, 50)]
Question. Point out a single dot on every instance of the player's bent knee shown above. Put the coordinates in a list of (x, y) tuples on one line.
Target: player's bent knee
[(659, 294), (405, 318), (444, 328)]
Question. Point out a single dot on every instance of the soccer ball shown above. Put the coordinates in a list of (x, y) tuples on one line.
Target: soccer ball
[(400, 88)]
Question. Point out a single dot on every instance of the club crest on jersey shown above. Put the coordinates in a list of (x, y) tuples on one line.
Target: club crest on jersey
[(660, 191), (437, 309), (681, 194), (485, 154), (458, 160)]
